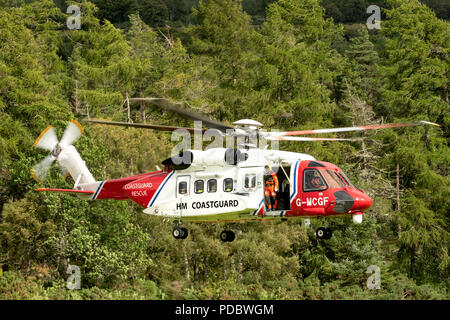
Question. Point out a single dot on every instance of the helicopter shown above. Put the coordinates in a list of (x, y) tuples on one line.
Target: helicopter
[(225, 185)]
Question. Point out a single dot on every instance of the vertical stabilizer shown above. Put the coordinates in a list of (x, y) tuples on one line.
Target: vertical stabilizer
[(70, 159)]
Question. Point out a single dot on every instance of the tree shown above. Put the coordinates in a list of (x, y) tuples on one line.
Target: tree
[(296, 70), (363, 63), (154, 12), (415, 73), (415, 62), (116, 11), (161, 62), (102, 67), (31, 74), (222, 32)]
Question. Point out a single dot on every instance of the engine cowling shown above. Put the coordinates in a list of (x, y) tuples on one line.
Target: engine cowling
[(207, 158)]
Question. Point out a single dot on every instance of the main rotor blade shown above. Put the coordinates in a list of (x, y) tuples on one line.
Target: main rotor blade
[(39, 171), (285, 138), (186, 113), (362, 128), (73, 131), (47, 140), (145, 126)]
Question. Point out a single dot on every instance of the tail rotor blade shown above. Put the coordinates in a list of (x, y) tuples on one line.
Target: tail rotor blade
[(47, 139), (63, 170), (40, 171), (73, 131)]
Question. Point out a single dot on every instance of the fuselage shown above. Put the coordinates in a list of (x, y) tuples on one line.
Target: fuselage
[(211, 187)]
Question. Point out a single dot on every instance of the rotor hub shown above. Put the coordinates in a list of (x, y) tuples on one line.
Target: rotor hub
[(56, 151)]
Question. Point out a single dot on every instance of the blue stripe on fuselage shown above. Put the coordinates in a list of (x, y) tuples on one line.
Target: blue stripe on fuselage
[(162, 186), (295, 179), (98, 190), (259, 207)]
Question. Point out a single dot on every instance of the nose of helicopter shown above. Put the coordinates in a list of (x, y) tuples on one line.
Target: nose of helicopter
[(363, 201)]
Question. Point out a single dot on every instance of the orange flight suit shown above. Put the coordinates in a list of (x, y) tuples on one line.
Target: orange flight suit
[(271, 192)]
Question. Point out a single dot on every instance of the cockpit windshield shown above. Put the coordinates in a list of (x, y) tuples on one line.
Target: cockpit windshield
[(342, 174), (333, 180)]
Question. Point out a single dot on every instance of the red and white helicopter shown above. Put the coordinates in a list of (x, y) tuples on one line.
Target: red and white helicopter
[(220, 184)]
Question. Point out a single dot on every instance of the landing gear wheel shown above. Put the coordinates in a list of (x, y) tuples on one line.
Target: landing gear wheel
[(180, 233), (324, 233), (224, 236), (227, 236), (185, 233), (177, 232), (321, 233)]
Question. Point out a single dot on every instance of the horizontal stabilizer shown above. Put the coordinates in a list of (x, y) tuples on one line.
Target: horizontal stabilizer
[(66, 190)]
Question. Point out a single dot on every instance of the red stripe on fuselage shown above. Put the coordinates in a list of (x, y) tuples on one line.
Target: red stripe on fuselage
[(143, 190), (113, 189)]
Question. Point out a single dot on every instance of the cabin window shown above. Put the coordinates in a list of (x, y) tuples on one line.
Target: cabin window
[(313, 180), (250, 181), (182, 187), (228, 185), (333, 180), (199, 186), (212, 185)]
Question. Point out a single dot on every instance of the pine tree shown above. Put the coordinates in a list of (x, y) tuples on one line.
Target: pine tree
[(415, 73), (296, 70), (102, 67), (222, 34), (363, 65), (415, 61)]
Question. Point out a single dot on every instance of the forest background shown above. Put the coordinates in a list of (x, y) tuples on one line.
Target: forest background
[(290, 64)]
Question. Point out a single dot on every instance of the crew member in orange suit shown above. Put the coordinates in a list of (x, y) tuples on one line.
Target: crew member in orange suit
[(271, 188)]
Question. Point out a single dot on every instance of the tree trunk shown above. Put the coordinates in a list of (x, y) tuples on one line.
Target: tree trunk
[(186, 265), (196, 270), (128, 108), (142, 108)]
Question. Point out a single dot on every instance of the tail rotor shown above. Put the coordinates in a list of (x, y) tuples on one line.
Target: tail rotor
[(48, 141)]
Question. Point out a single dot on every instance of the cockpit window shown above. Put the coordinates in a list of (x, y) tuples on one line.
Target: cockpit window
[(313, 181), (342, 174), (333, 180)]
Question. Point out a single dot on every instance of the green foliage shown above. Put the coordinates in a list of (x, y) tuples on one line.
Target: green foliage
[(417, 79), (176, 12), (156, 13), (15, 286), (297, 69)]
